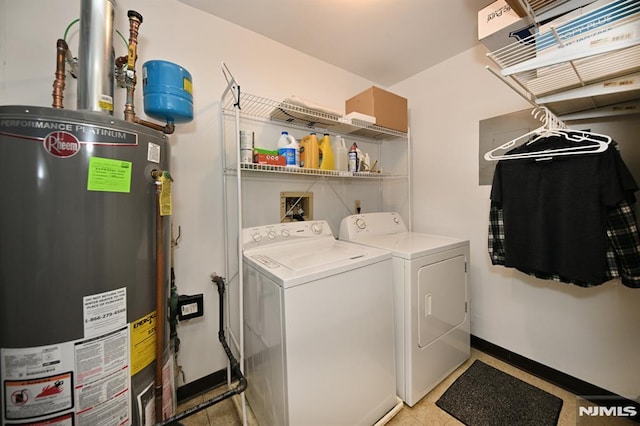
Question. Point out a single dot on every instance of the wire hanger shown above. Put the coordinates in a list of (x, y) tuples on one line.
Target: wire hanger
[(552, 126)]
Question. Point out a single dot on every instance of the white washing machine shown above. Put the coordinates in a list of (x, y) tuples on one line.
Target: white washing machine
[(431, 292), (318, 327)]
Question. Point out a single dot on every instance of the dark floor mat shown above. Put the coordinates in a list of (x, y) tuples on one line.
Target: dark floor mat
[(484, 395)]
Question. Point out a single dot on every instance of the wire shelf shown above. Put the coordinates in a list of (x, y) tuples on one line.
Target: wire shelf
[(593, 48), (538, 8), (268, 110), (308, 172)]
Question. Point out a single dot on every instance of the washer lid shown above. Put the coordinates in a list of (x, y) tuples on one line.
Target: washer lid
[(411, 245), (302, 261)]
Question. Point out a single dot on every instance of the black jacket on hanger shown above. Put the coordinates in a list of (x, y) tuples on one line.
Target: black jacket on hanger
[(554, 218)]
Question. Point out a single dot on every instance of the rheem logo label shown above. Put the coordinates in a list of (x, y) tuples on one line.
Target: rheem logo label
[(61, 144)]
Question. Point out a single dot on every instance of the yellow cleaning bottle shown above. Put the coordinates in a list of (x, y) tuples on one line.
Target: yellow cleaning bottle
[(326, 153), (309, 152)]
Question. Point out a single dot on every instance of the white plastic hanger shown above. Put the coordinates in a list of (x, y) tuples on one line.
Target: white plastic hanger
[(552, 126)]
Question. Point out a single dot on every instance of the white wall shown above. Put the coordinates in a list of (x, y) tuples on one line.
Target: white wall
[(589, 333), (200, 42)]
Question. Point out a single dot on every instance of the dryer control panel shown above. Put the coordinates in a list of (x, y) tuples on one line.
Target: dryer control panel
[(357, 226)]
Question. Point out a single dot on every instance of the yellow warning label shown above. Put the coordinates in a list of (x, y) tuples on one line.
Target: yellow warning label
[(187, 85), (143, 342), (165, 195), (132, 56), (107, 106)]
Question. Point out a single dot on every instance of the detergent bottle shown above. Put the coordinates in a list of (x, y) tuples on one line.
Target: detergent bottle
[(288, 147), (341, 157), (326, 153), (309, 152)]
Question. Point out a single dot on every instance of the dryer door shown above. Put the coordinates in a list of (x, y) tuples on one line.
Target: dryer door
[(442, 298)]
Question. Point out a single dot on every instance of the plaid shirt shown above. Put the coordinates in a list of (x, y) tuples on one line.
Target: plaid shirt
[(623, 249)]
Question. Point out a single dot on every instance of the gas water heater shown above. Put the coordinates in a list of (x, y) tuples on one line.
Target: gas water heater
[(77, 265), (84, 249)]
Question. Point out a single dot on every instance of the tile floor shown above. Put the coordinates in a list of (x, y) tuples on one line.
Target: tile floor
[(424, 413)]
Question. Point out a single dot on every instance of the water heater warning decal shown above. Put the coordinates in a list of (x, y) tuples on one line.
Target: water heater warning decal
[(31, 398), (143, 342)]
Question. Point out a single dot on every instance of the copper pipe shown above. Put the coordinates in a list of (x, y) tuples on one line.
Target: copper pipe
[(135, 19), (167, 129), (59, 82), (160, 295)]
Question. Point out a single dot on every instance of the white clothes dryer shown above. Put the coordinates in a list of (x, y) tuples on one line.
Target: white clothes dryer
[(318, 321), (430, 273)]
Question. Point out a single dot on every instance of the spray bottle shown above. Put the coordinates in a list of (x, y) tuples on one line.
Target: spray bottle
[(353, 158)]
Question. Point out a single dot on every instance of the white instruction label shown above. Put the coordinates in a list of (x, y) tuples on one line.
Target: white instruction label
[(81, 382), (104, 312), (153, 152), (102, 389), (37, 381)]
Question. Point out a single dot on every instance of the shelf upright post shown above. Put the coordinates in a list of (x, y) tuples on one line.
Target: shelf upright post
[(233, 88)]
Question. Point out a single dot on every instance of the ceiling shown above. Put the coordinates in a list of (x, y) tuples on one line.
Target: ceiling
[(385, 41)]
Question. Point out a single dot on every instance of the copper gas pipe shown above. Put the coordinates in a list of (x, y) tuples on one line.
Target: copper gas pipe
[(167, 129), (160, 295), (59, 82), (135, 19)]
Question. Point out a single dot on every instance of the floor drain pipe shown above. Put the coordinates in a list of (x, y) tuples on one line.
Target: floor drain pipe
[(236, 371)]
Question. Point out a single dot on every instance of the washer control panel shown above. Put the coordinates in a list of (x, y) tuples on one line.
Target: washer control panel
[(279, 232)]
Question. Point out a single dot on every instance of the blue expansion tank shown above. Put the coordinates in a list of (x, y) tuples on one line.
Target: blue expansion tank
[(168, 92)]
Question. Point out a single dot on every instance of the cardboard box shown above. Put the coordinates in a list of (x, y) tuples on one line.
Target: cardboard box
[(495, 17), (517, 7), (499, 25), (389, 109), (274, 160)]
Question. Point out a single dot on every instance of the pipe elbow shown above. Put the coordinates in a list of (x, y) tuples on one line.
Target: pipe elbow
[(219, 281), (121, 61), (242, 385), (169, 128), (242, 380), (62, 45)]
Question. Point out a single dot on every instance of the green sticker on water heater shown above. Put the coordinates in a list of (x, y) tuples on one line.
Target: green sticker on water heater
[(108, 175)]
